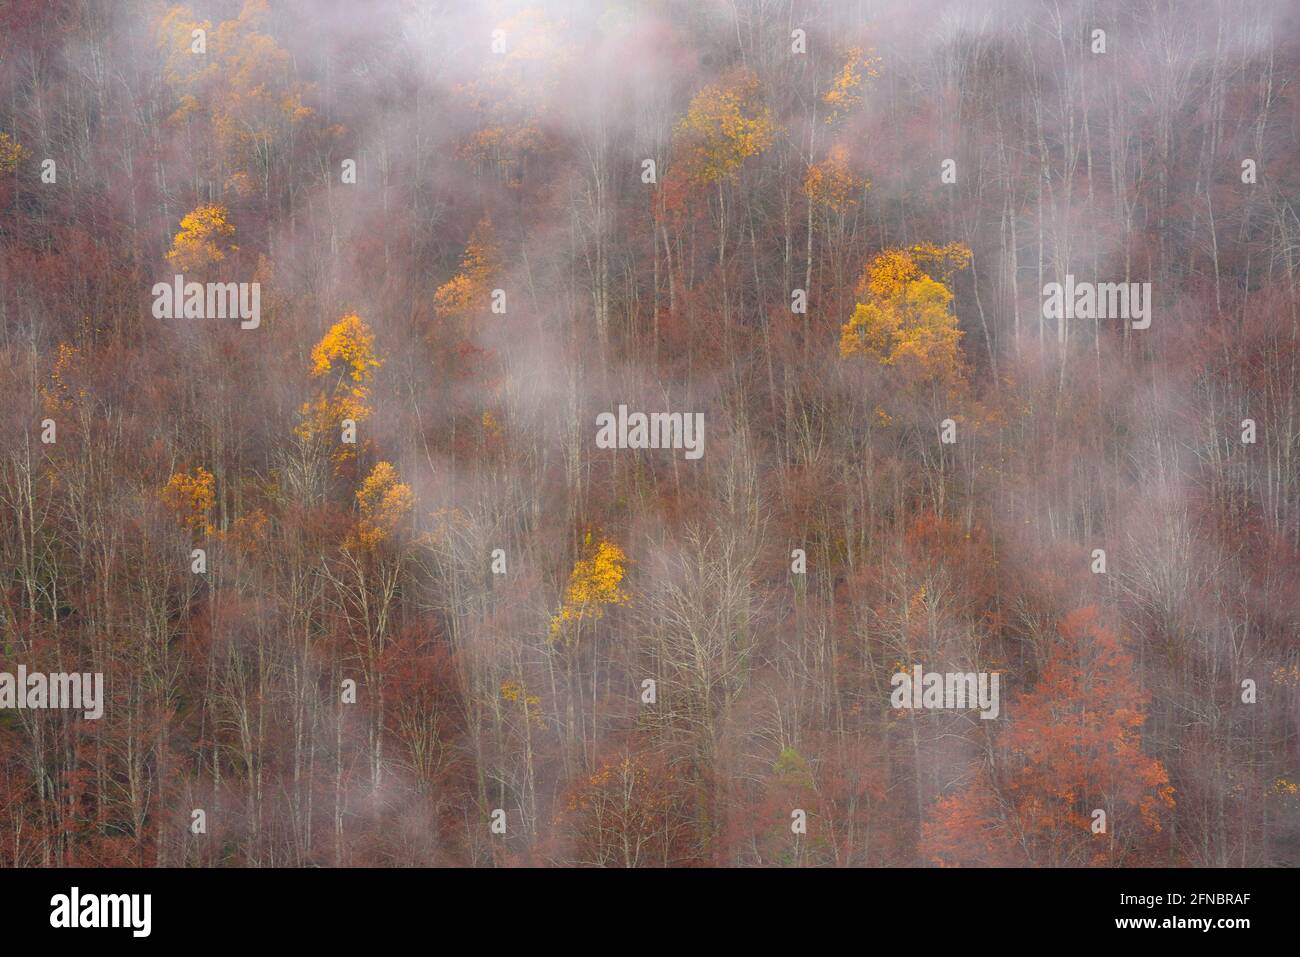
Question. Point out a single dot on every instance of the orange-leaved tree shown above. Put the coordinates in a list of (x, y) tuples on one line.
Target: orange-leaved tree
[(468, 293), (514, 91), (832, 184), (1071, 747)]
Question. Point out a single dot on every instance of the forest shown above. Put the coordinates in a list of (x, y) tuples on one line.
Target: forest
[(575, 433)]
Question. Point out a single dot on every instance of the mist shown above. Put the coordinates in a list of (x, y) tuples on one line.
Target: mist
[(377, 571)]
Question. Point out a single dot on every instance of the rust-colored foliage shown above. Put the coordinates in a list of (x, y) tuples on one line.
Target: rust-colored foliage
[(904, 460), (1071, 746), (632, 810)]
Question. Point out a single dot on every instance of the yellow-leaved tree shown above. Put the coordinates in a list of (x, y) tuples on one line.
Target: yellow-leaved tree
[(383, 501), (594, 585), (468, 292), (204, 239), (180, 34), (516, 692), (724, 125), (832, 184), (905, 318), (242, 83), (11, 153), (191, 498), (846, 90), (343, 362), (514, 91)]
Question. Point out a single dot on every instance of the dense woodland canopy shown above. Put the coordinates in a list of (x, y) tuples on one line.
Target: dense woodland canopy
[(503, 268)]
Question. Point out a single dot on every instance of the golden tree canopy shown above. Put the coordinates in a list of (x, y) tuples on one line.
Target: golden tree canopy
[(348, 348), (467, 292), (346, 353), (724, 125), (384, 501), (846, 91), (593, 584), (11, 153), (191, 499), (906, 318), (204, 238), (832, 182), (244, 83)]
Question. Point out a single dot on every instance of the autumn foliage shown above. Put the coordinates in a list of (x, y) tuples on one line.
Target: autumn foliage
[(191, 498), (343, 363), (1072, 746), (204, 239), (364, 584), (724, 125), (907, 318), (594, 585)]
